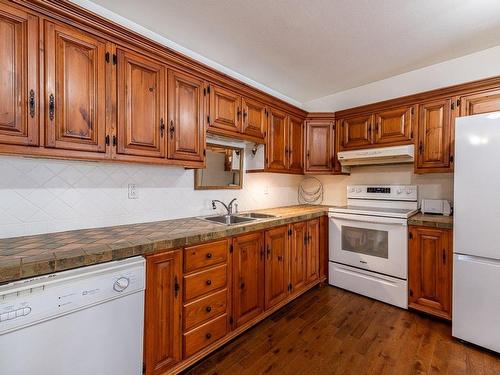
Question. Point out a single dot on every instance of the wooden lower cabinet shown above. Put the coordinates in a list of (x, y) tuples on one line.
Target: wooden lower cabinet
[(430, 270), (200, 297), (162, 330)]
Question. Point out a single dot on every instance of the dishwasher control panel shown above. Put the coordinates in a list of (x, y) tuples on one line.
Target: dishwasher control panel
[(27, 302)]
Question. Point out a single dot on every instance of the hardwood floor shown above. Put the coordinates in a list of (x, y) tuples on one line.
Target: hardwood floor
[(331, 331)]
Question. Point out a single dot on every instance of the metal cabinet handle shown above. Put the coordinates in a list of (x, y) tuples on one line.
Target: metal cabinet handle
[(52, 107), (268, 251), (209, 255), (32, 103), (209, 282), (172, 128), (208, 309), (208, 336), (162, 127)]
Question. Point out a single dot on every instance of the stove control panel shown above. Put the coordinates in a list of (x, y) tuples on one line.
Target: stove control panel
[(383, 192)]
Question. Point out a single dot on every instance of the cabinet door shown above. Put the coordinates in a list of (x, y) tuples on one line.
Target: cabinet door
[(276, 269), (323, 247), (248, 277), (186, 117), (298, 256), (162, 332), (430, 267), (75, 89), (312, 259), (295, 148), (254, 117), (319, 146), (19, 92), (483, 102), (225, 110), (394, 126), (356, 132), (276, 140), (141, 105), (434, 136)]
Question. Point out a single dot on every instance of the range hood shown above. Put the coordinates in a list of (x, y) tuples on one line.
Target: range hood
[(383, 155)]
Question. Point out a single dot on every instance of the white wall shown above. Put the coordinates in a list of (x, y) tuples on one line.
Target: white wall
[(42, 195), (479, 65)]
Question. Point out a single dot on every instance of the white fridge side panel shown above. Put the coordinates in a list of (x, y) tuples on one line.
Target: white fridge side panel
[(477, 183), (476, 301)]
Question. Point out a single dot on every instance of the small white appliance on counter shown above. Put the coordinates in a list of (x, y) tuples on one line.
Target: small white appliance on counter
[(436, 206), (476, 260), (79, 322), (368, 250)]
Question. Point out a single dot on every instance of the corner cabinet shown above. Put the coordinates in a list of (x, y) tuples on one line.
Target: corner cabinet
[(319, 146), (430, 263), (162, 327)]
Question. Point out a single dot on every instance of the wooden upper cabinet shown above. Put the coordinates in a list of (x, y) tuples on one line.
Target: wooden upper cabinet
[(434, 136), (483, 102), (225, 110), (254, 118), (277, 140), (394, 126), (19, 103), (319, 146), (430, 270), (356, 132), (295, 148), (162, 333), (186, 130), (141, 97), (75, 100), (248, 277), (277, 266), (313, 247), (298, 256)]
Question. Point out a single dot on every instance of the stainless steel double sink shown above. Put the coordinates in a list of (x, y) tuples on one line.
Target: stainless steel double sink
[(238, 218)]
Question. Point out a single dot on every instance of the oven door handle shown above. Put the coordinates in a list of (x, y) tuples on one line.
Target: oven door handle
[(369, 219)]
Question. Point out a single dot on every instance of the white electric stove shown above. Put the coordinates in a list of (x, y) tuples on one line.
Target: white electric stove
[(369, 241)]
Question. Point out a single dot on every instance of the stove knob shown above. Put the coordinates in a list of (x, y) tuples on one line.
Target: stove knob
[(351, 190), (399, 191), (409, 190), (121, 284), (358, 190)]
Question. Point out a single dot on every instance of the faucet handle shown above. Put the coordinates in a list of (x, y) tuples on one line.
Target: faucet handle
[(235, 207), (213, 205)]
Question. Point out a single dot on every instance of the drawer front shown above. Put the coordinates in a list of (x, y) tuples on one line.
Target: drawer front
[(200, 283), (203, 336), (204, 309), (205, 255)]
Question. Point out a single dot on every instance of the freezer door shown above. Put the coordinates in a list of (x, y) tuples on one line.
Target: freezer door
[(476, 301), (477, 183)]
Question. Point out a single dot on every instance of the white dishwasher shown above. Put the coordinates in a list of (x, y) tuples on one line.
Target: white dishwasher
[(87, 321)]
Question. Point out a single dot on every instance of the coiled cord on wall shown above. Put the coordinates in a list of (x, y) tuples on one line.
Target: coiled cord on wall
[(310, 191)]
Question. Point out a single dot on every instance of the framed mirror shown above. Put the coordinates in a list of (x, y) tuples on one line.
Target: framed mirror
[(224, 169)]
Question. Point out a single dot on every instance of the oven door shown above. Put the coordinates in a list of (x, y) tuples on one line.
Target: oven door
[(374, 243)]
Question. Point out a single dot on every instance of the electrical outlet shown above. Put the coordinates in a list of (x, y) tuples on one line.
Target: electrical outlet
[(133, 191)]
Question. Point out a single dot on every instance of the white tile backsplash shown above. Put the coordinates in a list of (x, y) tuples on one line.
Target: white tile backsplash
[(43, 195)]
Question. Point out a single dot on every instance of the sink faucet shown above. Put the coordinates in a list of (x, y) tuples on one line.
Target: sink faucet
[(229, 207)]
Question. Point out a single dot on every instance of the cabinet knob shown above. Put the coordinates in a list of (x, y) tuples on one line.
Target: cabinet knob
[(52, 107), (209, 255), (209, 282), (208, 336), (208, 309)]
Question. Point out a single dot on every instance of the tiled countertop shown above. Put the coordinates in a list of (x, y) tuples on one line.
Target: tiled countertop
[(30, 256), (435, 221)]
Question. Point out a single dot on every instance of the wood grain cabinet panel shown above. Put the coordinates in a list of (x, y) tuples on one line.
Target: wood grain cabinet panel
[(478, 103), (276, 266), (142, 105), (225, 110), (430, 270), (204, 309), (254, 118), (312, 251), (248, 277), (75, 88), (394, 126), (162, 333), (19, 104), (323, 247), (319, 146), (276, 154), (295, 147), (205, 255), (298, 256), (356, 132), (204, 335), (434, 136), (203, 282), (186, 127)]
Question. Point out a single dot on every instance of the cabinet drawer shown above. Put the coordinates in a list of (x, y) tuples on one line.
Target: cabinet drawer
[(200, 283), (204, 309), (209, 254), (203, 336)]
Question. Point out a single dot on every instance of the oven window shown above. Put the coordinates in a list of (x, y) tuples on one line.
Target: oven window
[(365, 241)]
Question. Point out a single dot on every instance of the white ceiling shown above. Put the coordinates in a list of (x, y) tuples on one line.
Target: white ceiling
[(306, 49)]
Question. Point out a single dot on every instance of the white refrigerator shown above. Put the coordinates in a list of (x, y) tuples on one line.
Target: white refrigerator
[(476, 258)]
